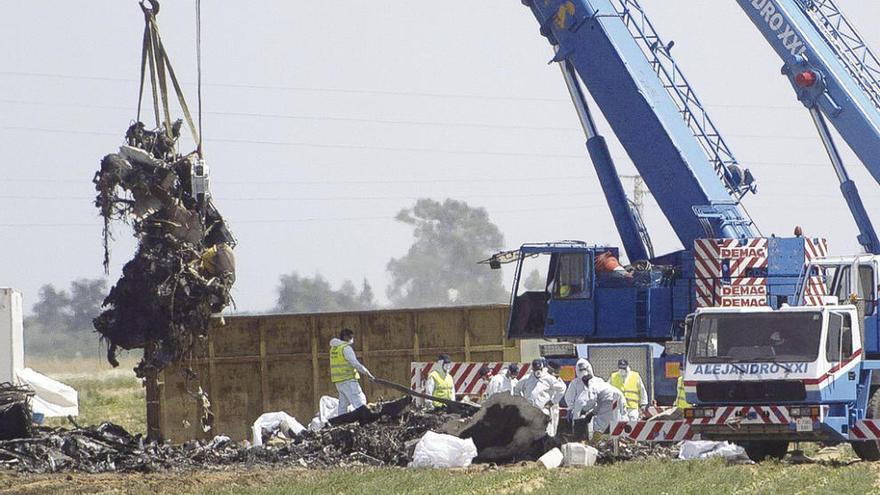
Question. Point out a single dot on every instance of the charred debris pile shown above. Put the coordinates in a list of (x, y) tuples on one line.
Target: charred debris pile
[(504, 433)]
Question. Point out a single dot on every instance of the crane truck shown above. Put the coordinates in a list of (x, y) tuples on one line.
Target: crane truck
[(611, 50), (765, 377)]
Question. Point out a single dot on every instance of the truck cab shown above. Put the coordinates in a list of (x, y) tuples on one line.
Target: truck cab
[(764, 377)]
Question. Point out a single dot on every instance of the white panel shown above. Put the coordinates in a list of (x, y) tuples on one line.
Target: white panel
[(11, 334)]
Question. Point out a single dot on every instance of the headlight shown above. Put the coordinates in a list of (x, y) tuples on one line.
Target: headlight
[(802, 411), (699, 412)]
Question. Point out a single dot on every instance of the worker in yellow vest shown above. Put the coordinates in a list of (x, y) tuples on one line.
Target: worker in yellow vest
[(440, 382), (345, 371), (630, 383), (680, 401)]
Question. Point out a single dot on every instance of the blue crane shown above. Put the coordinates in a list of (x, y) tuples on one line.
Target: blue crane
[(611, 50), (837, 78)]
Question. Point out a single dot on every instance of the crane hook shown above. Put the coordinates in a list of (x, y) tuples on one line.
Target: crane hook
[(153, 9)]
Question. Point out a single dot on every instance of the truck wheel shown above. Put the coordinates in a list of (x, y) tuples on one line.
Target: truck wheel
[(870, 450), (761, 450)]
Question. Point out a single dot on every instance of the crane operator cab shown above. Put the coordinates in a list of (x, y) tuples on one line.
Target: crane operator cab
[(560, 287)]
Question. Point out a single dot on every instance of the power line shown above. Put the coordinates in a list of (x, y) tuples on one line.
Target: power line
[(234, 222), (566, 156), (361, 90), (403, 122)]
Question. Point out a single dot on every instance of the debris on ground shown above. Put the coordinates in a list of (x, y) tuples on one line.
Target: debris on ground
[(388, 441), (15, 411), (506, 429), (630, 451)]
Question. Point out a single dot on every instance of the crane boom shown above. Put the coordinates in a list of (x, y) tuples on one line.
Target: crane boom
[(837, 77), (654, 112)]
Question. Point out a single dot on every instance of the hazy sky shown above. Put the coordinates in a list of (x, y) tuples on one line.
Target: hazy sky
[(323, 119)]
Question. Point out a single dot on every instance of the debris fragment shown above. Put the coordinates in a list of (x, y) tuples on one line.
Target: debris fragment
[(507, 428), (15, 411), (552, 459), (184, 267)]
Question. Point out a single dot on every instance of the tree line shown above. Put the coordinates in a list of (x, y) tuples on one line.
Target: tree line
[(439, 269)]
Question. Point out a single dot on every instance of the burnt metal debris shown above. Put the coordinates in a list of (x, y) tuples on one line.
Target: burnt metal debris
[(184, 266), (15, 411), (388, 440)]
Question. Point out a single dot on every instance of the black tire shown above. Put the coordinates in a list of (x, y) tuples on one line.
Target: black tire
[(759, 451), (870, 450)]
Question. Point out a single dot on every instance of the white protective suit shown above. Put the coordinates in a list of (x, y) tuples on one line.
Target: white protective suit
[(541, 391), (500, 383), (602, 399), (576, 386), (350, 393)]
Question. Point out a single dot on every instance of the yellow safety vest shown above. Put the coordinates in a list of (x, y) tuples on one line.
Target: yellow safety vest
[(680, 401), (442, 387), (340, 369), (630, 389)]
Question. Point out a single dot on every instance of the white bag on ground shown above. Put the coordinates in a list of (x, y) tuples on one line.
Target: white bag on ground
[(578, 455), (436, 450), (273, 422), (703, 449), (551, 459)]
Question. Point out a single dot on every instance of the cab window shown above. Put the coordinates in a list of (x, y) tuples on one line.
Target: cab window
[(866, 288), (570, 280), (842, 285), (839, 345)]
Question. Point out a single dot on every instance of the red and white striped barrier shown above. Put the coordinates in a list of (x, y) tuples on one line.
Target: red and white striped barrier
[(815, 248), (465, 375), (865, 429), (653, 431)]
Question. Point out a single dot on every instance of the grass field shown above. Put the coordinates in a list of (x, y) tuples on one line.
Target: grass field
[(105, 393), (116, 395)]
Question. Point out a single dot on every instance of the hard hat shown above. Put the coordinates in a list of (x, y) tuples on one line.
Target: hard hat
[(622, 364), (538, 364)]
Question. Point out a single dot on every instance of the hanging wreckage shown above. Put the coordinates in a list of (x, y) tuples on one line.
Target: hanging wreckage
[(184, 267)]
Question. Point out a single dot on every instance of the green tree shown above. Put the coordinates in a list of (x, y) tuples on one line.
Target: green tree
[(52, 310), (61, 320), (440, 268), (86, 297), (298, 294)]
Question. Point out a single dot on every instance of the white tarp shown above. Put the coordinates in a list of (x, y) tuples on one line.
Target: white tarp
[(273, 422), (51, 398), (436, 450), (703, 449)]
